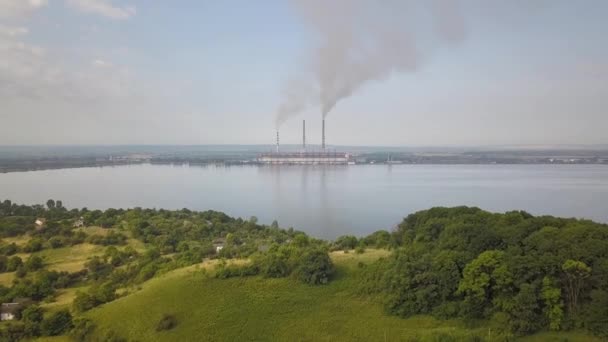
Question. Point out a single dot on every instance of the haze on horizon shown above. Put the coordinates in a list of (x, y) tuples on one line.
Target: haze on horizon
[(215, 72)]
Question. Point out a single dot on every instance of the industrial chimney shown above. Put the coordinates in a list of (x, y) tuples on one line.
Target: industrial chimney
[(277, 141), (323, 134), (304, 134)]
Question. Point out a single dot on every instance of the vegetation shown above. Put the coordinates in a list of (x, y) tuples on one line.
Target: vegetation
[(521, 273), (442, 274)]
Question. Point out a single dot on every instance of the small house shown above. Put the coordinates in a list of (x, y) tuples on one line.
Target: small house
[(218, 244), (8, 311), (79, 223), (40, 222)]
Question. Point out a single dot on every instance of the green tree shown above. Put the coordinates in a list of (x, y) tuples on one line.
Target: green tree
[(13, 263), (346, 242), (314, 267), (83, 302), (524, 311), (57, 323), (485, 280), (554, 307), (34, 263), (83, 328), (575, 273), (31, 318), (50, 204)]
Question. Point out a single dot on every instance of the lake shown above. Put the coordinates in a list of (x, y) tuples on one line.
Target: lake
[(324, 201)]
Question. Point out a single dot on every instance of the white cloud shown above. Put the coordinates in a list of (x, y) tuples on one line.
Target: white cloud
[(102, 7), (19, 8)]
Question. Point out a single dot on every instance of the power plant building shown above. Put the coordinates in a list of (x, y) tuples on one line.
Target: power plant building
[(305, 157)]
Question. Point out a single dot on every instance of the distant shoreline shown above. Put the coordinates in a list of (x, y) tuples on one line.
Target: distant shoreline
[(61, 166), (32, 158)]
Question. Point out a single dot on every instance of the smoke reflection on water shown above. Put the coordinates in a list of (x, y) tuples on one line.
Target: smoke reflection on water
[(323, 201), (293, 200)]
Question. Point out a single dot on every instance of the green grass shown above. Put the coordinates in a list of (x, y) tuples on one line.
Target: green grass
[(258, 309), (69, 259), (6, 279), (255, 309)]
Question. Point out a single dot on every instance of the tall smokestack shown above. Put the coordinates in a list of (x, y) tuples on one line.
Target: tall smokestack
[(304, 134), (323, 134), (277, 141)]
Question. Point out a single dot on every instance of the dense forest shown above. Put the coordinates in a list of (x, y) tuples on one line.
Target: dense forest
[(516, 272), (513, 272)]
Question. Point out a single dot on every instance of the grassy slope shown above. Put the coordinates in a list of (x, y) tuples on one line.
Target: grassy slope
[(257, 309)]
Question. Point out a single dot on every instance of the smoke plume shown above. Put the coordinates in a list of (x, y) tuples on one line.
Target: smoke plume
[(364, 40)]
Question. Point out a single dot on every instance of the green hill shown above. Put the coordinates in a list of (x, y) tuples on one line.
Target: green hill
[(259, 309)]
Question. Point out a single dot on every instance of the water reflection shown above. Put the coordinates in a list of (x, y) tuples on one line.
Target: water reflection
[(325, 201)]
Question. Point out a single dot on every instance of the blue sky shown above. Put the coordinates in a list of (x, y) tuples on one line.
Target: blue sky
[(213, 72)]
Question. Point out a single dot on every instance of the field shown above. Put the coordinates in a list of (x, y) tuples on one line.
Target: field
[(255, 309)]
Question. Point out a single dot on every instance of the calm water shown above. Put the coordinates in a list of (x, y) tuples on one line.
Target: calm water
[(323, 201)]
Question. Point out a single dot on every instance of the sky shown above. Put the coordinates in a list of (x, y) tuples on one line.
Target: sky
[(217, 72)]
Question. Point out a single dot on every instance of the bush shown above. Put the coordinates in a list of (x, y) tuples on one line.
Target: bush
[(167, 322), (9, 249), (56, 242), (224, 271), (275, 265), (13, 263), (346, 242), (34, 245), (34, 263), (83, 302), (57, 323), (83, 327), (314, 267)]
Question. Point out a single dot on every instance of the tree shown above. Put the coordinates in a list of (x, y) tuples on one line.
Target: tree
[(575, 273), (524, 313), (314, 267), (13, 263), (596, 318), (58, 323), (553, 308), (34, 263), (83, 327), (31, 317), (346, 242), (50, 204), (83, 302), (56, 242), (275, 265), (33, 245), (485, 279)]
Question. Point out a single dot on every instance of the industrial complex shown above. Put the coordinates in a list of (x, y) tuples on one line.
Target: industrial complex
[(306, 156)]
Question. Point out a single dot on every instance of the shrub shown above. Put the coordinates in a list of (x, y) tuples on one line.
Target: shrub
[(13, 263), (314, 267), (83, 327), (224, 271), (34, 245), (167, 322), (57, 323), (56, 242), (34, 263)]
